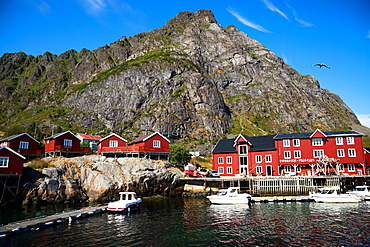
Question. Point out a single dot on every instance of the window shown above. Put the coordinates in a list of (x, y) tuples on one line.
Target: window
[(229, 170), (287, 169), (229, 160), (351, 167), (297, 169), (316, 141), (220, 160), (286, 143), (287, 155), (258, 158), (243, 149), (67, 143), (318, 153), (340, 168), (221, 170), (340, 152), (113, 144), (268, 158), (296, 143), (23, 145), (157, 144), (339, 140), (258, 169), (350, 140), (297, 154), (351, 152), (4, 161)]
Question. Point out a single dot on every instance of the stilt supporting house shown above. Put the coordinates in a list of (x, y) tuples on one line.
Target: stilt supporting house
[(9, 187)]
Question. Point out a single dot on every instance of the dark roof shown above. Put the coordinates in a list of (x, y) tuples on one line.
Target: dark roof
[(140, 139), (307, 135), (60, 134), (262, 143), (259, 143), (224, 146), (18, 135), (367, 149)]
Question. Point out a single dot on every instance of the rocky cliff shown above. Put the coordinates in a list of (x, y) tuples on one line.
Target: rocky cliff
[(191, 78), (96, 178)]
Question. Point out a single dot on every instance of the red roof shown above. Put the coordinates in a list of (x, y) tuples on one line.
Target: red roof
[(89, 137)]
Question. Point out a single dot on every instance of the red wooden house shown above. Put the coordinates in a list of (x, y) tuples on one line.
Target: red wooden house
[(152, 146), (23, 144), (11, 162), (64, 144), (92, 140), (367, 159), (315, 153), (246, 155), (112, 145), (321, 153)]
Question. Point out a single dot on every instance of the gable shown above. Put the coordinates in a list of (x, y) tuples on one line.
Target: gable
[(10, 138), (69, 133), (5, 150), (113, 136), (317, 134)]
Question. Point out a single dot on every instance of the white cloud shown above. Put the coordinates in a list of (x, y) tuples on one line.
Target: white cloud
[(302, 22), (41, 6), (272, 7), (364, 119), (247, 22)]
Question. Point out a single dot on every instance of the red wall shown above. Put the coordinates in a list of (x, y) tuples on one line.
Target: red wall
[(15, 165), (55, 144), (147, 146), (104, 145), (32, 145)]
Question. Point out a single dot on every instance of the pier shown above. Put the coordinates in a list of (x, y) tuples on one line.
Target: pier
[(273, 186), (36, 224)]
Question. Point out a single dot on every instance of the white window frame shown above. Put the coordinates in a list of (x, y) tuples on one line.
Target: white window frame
[(296, 142), (220, 170), (258, 169), (258, 158), (350, 140), (220, 160), (318, 153), (287, 155), (229, 160), (340, 168), (268, 158), (351, 167), (297, 154), (156, 144), (340, 153), (297, 169), (23, 145), (286, 143), (243, 149), (339, 140), (317, 141), (351, 152), (4, 162), (113, 143), (229, 170), (67, 143)]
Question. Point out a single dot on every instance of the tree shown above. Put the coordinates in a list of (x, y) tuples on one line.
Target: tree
[(179, 154)]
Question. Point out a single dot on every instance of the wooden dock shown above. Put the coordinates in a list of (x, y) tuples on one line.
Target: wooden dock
[(36, 224), (282, 199)]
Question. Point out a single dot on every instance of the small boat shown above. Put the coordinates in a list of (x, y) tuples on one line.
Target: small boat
[(362, 191), (330, 194), (128, 202), (231, 195)]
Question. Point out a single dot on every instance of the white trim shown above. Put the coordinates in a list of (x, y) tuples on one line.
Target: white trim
[(242, 136), (113, 134), (11, 150), (317, 130), (155, 133), (16, 136)]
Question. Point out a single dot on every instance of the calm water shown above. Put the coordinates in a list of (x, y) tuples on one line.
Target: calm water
[(195, 222)]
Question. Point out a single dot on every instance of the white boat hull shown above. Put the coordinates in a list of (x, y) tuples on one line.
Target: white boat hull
[(230, 196), (128, 202), (215, 200), (330, 194)]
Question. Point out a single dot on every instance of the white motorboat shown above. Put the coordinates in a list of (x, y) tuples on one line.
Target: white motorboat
[(231, 195), (362, 191), (128, 202), (330, 194)]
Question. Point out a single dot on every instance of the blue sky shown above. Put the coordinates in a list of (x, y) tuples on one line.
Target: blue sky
[(302, 32)]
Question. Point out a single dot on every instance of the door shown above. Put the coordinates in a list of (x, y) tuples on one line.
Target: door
[(268, 170), (243, 165)]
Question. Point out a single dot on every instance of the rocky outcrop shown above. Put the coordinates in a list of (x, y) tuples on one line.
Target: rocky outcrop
[(190, 78), (96, 178)]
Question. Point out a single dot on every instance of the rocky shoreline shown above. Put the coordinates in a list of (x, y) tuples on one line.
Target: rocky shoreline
[(97, 178)]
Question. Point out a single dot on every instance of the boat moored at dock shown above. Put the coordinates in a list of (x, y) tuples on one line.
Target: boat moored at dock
[(231, 195), (128, 201), (330, 194), (362, 191)]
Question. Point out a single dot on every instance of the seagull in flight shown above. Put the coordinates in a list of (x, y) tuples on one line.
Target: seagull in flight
[(321, 65)]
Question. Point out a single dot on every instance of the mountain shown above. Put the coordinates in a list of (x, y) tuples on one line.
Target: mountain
[(191, 78)]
